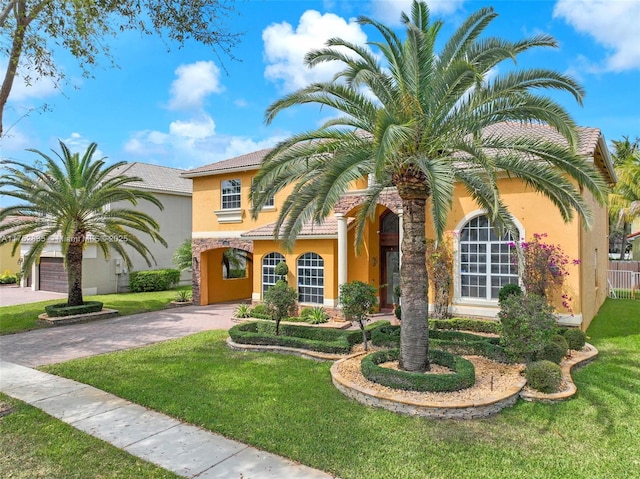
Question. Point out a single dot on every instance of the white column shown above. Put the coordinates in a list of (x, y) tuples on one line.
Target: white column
[(342, 249)]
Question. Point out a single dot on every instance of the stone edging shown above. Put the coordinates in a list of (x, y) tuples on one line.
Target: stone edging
[(578, 358), (105, 313), (265, 348), (450, 410)]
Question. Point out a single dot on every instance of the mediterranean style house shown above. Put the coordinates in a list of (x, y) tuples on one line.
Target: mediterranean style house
[(324, 255)]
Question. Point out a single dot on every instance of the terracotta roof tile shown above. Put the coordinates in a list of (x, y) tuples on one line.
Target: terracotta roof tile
[(250, 160), (328, 228)]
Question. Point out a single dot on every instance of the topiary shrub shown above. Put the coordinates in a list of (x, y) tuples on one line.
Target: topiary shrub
[(281, 270), (462, 377), (554, 351), (544, 376), (153, 280), (358, 300), (61, 310), (280, 301), (576, 339), (509, 290)]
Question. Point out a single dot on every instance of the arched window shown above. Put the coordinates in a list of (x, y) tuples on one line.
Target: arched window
[(311, 278), (269, 276), (486, 261)]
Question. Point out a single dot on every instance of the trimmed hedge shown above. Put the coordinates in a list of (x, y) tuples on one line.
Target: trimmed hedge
[(463, 375), (454, 342), (576, 339), (60, 310), (466, 324), (326, 340), (544, 376), (153, 280)]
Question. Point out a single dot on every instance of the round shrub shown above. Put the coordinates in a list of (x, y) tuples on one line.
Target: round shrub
[(509, 290), (462, 377), (576, 339), (544, 376), (554, 351)]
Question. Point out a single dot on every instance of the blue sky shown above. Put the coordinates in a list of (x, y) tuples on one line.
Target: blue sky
[(188, 107)]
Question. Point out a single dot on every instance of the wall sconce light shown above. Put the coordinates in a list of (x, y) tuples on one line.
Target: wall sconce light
[(374, 261)]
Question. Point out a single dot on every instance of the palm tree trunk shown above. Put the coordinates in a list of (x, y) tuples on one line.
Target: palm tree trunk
[(74, 270), (623, 246), (414, 332)]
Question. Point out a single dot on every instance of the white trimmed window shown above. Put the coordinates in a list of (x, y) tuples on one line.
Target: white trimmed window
[(231, 194), (269, 277), (311, 279), (486, 261)]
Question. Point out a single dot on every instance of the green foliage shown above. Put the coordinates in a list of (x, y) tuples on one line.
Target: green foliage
[(454, 342), (508, 290), (358, 300), (281, 270), (260, 311), (8, 278), (153, 280), (183, 255), (314, 315), (398, 312), (183, 296), (554, 351), (528, 323), (467, 324), (243, 311), (463, 375), (280, 301), (59, 310), (576, 338), (544, 376)]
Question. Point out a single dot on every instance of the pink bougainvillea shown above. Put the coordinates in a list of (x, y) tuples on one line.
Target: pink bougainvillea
[(545, 268)]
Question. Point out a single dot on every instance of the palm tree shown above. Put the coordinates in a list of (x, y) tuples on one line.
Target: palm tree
[(79, 201), (624, 201), (420, 122)]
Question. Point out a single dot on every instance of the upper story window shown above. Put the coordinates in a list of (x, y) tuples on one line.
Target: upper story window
[(231, 194), (270, 203), (486, 260)]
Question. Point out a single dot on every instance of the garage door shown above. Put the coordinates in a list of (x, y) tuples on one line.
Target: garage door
[(53, 277)]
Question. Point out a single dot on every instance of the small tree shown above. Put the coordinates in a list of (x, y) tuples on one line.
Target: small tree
[(280, 300), (183, 255), (528, 323), (282, 270), (358, 300)]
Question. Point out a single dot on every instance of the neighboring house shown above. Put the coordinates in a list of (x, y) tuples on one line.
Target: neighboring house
[(101, 276), (634, 239), (324, 255), (8, 262)]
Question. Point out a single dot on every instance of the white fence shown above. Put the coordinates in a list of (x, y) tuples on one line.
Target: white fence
[(623, 284)]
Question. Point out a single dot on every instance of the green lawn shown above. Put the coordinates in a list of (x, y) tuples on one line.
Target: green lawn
[(23, 317), (288, 406), (34, 445)]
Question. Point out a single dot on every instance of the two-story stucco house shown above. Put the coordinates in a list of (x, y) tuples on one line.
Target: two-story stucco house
[(324, 255), (101, 276)]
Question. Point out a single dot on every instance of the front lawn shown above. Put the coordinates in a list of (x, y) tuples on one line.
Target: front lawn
[(23, 317), (288, 406), (35, 445)]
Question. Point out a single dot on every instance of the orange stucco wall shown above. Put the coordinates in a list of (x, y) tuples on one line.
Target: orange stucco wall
[(219, 289)]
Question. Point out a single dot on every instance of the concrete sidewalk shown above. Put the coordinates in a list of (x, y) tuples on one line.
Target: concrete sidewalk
[(181, 448)]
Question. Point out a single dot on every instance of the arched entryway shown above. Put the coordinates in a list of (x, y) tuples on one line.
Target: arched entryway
[(389, 258)]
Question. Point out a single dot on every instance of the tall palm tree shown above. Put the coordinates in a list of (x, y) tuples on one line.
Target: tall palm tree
[(420, 121), (624, 200), (77, 201)]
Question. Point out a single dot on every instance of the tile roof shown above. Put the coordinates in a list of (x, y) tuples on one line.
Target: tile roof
[(156, 177), (248, 161), (328, 228)]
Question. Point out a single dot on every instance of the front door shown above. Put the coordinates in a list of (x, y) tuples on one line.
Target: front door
[(389, 258), (389, 275)]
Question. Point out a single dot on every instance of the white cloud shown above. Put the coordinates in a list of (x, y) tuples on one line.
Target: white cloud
[(194, 83), (613, 24), (285, 48), (191, 143), (79, 144), (27, 85), (388, 11)]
